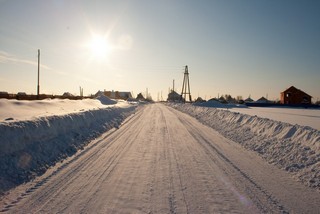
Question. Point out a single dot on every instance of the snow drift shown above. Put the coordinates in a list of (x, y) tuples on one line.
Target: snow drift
[(29, 147), (18, 110), (105, 100), (293, 148), (216, 104)]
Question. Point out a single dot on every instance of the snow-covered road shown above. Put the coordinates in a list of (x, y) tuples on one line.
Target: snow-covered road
[(163, 161)]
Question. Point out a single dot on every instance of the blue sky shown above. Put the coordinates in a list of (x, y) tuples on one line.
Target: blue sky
[(247, 47)]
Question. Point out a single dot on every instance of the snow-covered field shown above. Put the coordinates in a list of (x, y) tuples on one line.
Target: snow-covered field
[(301, 116), (34, 135), (294, 148)]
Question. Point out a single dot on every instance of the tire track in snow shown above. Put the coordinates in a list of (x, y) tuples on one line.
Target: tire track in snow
[(112, 159), (119, 152), (196, 176), (87, 157), (174, 155), (257, 194)]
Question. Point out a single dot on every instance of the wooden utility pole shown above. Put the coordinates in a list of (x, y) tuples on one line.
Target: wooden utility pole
[(173, 86), (146, 94), (38, 86)]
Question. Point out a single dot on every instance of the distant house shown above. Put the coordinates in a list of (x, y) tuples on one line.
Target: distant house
[(263, 100), (199, 100), (294, 96), (248, 100), (174, 96), (4, 94), (116, 94), (67, 94), (140, 97)]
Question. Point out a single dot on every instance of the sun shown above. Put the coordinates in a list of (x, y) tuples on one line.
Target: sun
[(100, 48)]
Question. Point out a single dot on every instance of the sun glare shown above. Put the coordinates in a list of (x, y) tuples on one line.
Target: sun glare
[(100, 47)]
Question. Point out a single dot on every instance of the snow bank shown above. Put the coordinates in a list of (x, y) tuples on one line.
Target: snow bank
[(106, 101), (217, 104), (17, 110), (29, 147), (293, 148)]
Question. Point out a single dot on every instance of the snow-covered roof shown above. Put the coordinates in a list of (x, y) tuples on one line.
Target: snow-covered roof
[(262, 100), (248, 100), (174, 96)]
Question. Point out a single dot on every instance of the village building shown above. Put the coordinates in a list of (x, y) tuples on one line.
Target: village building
[(248, 100), (174, 97), (116, 94), (294, 96), (140, 97), (263, 100)]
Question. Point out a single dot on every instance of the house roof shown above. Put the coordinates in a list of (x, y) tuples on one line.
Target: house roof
[(174, 96), (248, 100), (294, 89), (262, 100)]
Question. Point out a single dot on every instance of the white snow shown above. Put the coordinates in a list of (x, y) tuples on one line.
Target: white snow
[(160, 161), (37, 134), (301, 116), (17, 110), (294, 148)]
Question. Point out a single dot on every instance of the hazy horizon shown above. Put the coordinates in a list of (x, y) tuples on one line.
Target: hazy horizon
[(243, 48)]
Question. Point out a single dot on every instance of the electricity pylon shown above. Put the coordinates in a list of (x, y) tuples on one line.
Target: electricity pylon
[(186, 86)]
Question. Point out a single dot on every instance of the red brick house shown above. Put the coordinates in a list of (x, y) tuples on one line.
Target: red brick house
[(294, 96)]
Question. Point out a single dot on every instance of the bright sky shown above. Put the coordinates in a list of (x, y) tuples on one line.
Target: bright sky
[(247, 47)]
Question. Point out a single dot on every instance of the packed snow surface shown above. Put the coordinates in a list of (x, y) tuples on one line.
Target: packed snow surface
[(294, 148)]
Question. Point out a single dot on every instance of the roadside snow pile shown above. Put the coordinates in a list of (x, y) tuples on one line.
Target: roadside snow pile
[(16, 110), (105, 100), (293, 148), (29, 147), (216, 104), (212, 103)]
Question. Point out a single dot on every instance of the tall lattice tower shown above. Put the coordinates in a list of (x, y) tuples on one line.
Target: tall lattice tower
[(186, 86)]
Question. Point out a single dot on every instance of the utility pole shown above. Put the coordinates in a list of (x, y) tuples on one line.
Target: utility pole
[(38, 86), (186, 86), (173, 85), (81, 91), (147, 93)]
